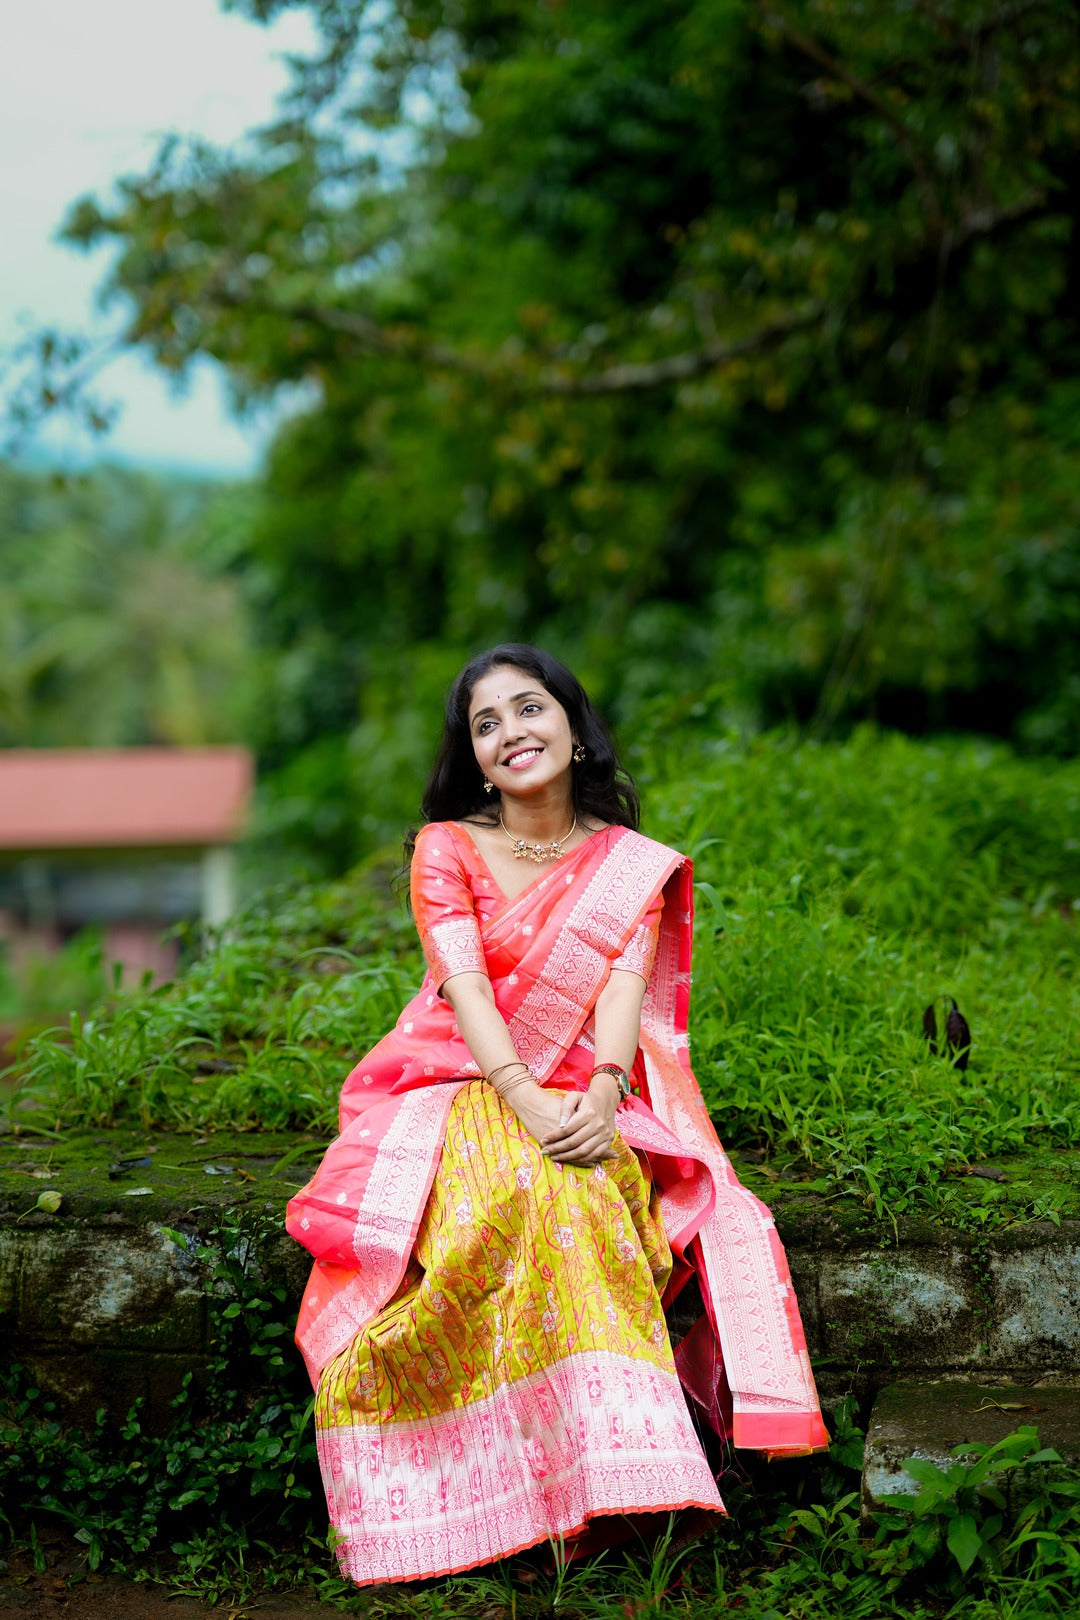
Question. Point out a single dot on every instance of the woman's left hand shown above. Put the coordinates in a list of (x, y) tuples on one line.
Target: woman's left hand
[(586, 1127)]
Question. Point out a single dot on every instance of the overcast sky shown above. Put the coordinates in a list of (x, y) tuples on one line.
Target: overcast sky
[(86, 89)]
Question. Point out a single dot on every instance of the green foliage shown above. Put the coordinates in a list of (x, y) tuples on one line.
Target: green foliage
[(119, 620), (1004, 1509), (237, 1460), (994, 1536), (703, 336), (840, 888), (254, 1032), (222, 1507), (43, 986), (226, 1502), (683, 337)]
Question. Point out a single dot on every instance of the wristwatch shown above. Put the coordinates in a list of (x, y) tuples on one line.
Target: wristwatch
[(620, 1075)]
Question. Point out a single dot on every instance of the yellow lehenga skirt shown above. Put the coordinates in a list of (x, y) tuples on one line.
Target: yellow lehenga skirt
[(521, 1380)]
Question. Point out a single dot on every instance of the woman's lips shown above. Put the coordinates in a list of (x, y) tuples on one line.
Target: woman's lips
[(521, 761)]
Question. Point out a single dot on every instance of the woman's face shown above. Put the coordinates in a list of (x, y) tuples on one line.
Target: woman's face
[(520, 734)]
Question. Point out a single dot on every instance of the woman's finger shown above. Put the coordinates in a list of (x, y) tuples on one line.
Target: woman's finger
[(585, 1161), (575, 1136), (570, 1126), (571, 1105), (594, 1143), (568, 1107)]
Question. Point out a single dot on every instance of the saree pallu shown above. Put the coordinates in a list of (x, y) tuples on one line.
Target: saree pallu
[(483, 1327)]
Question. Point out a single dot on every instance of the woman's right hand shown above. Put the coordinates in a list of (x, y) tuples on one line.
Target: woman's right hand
[(538, 1108)]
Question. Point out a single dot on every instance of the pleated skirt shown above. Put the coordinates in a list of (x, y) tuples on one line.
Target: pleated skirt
[(520, 1382)]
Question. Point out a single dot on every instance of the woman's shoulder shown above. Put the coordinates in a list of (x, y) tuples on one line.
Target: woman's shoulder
[(435, 841), (455, 839), (455, 831), (432, 833)]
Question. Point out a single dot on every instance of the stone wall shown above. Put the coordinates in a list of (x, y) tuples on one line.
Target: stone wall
[(103, 1305), (99, 1300), (1000, 1305)]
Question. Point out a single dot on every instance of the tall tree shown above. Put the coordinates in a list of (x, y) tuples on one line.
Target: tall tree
[(693, 335)]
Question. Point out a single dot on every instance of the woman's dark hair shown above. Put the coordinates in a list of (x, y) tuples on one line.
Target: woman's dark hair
[(600, 788)]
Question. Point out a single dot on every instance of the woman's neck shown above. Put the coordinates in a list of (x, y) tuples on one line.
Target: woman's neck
[(538, 821)]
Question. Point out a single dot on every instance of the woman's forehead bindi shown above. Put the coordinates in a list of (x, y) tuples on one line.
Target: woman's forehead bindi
[(517, 683), (533, 692)]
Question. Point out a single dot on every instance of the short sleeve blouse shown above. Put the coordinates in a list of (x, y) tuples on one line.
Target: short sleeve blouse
[(443, 905), (639, 951)]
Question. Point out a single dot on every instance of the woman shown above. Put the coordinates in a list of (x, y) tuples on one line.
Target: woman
[(526, 1175)]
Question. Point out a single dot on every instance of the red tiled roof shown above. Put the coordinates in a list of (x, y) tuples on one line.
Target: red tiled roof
[(116, 798)]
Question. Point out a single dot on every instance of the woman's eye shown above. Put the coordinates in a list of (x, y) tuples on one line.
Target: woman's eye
[(535, 707)]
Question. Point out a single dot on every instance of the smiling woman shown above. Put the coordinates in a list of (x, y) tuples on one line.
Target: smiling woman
[(526, 1176)]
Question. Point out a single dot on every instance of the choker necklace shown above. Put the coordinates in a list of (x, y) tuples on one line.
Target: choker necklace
[(537, 852)]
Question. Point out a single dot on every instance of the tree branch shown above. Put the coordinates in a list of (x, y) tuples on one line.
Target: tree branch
[(57, 372), (962, 36), (985, 221), (622, 378), (625, 378), (49, 373), (636, 376), (859, 87), (369, 335)]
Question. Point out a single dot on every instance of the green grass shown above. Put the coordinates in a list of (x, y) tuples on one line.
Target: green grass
[(840, 888)]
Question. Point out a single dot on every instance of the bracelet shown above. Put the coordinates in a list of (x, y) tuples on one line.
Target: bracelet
[(517, 1063), (524, 1078), (621, 1077)]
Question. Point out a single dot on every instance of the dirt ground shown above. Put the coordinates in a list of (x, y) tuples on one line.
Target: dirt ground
[(112, 1598), (27, 1594)]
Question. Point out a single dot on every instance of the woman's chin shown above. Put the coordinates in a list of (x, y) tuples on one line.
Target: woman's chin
[(532, 783)]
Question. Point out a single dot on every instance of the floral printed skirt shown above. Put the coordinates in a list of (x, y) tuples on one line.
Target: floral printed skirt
[(520, 1382)]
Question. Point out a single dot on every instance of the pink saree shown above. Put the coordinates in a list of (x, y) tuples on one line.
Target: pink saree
[(437, 1462)]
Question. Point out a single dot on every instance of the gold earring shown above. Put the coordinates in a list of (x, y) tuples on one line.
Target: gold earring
[(579, 754), (489, 787)]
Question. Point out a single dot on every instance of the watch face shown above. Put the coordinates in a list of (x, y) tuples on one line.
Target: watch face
[(622, 1079)]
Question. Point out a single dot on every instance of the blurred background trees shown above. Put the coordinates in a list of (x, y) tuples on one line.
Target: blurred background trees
[(729, 349), (120, 622)]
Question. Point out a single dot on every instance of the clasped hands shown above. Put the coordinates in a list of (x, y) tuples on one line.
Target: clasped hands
[(572, 1127)]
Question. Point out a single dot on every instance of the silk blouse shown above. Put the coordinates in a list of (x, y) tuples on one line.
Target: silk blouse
[(453, 895)]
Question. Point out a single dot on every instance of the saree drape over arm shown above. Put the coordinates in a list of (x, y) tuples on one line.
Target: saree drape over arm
[(471, 1402)]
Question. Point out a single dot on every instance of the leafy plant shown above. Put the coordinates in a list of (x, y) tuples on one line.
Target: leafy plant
[(961, 1516), (238, 1453)]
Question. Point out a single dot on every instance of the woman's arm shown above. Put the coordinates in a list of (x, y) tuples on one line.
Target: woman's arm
[(446, 921), (617, 1020), (484, 1031), (587, 1130)]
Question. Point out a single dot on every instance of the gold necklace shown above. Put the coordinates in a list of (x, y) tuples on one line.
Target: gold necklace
[(539, 853)]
